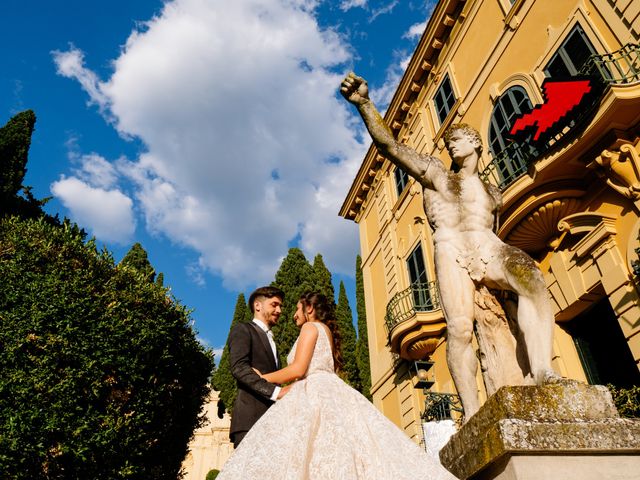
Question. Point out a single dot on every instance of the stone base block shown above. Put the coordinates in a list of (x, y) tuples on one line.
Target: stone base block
[(565, 467), (559, 431)]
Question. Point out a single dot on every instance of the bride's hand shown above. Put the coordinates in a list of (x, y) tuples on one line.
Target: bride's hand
[(258, 372), (284, 391)]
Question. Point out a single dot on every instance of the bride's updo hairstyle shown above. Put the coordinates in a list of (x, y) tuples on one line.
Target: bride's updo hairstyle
[(325, 313)]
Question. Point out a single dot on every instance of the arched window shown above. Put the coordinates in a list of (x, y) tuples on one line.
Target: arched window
[(511, 105)]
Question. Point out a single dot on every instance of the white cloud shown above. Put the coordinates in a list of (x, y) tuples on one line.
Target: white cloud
[(97, 171), (236, 104), (416, 30), (107, 213), (70, 64), (349, 4), (388, 8)]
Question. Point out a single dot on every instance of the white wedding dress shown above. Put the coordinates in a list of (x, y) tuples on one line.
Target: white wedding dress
[(323, 429)]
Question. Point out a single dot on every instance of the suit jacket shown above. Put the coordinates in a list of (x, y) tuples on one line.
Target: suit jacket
[(249, 347)]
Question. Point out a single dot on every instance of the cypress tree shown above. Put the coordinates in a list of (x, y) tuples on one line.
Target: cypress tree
[(137, 259), (344, 319), (362, 347), (15, 140), (322, 278), (295, 276), (223, 380)]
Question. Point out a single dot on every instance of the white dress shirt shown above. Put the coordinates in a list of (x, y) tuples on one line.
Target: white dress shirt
[(267, 330)]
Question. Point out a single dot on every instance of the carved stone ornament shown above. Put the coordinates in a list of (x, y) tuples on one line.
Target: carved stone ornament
[(538, 230), (621, 169)]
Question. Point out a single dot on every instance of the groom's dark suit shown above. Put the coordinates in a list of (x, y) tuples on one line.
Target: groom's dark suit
[(249, 347)]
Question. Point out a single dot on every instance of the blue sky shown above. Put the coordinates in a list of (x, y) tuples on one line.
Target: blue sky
[(210, 131)]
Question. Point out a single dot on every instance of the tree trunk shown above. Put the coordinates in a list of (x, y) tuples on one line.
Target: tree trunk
[(502, 354)]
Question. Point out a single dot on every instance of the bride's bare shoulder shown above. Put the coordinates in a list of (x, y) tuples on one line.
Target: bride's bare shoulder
[(308, 329)]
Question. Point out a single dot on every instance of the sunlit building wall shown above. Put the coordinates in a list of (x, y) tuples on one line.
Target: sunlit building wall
[(572, 205)]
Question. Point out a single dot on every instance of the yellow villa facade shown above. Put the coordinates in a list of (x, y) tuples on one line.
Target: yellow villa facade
[(210, 446), (573, 204)]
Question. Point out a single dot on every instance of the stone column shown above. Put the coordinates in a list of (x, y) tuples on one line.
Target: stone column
[(552, 432)]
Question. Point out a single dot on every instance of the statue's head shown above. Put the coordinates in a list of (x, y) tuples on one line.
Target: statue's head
[(467, 131)]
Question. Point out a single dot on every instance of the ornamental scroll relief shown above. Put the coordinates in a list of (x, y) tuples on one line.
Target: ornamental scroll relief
[(620, 167)]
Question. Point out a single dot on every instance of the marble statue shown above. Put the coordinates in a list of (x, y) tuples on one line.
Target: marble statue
[(462, 210)]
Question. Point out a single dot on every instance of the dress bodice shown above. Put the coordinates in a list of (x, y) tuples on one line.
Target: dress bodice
[(322, 359)]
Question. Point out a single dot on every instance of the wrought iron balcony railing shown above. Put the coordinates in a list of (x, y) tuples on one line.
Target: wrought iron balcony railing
[(621, 67), (618, 68), (439, 406), (509, 164), (419, 297)]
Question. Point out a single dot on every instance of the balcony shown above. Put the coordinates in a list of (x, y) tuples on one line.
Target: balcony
[(619, 68), (442, 406), (415, 323), (509, 165)]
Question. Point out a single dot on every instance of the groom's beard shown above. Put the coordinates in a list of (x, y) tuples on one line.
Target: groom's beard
[(271, 319)]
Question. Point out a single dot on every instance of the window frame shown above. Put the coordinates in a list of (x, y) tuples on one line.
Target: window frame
[(421, 297), (449, 101), (401, 178), (562, 53)]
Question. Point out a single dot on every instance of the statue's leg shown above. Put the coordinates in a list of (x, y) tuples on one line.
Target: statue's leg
[(535, 317), (456, 294)]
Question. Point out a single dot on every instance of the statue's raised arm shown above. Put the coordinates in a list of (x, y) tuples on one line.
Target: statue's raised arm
[(355, 90)]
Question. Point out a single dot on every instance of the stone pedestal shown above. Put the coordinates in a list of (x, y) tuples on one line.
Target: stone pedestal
[(560, 431)]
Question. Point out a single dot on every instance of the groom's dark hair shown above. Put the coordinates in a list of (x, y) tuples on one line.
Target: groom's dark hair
[(265, 292)]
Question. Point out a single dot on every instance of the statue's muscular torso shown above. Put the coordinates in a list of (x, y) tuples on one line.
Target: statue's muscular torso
[(461, 209)]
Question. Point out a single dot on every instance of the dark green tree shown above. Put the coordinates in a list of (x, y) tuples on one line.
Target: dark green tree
[(295, 276), (322, 278), (344, 319), (101, 375), (223, 380), (137, 259), (15, 140), (362, 347)]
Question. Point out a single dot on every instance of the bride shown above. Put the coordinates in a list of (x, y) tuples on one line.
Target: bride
[(322, 428)]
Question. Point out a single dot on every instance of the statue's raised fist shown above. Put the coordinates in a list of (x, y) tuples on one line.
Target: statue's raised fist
[(355, 89)]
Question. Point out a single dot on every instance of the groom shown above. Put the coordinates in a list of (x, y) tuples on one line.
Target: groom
[(251, 345)]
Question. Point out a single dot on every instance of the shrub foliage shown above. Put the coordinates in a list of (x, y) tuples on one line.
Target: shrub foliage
[(626, 400), (101, 375)]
